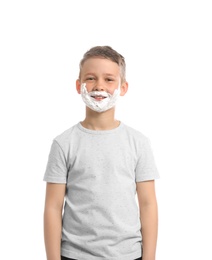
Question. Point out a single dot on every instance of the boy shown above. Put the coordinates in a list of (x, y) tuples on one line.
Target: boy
[(98, 165)]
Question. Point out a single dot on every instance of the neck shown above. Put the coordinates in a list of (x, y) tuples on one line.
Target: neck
[(100, 121)]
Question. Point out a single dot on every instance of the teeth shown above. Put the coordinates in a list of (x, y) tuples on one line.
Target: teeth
[(99, 95)]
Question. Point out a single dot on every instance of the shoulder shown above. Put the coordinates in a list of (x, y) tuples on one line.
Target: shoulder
[(135, 133), (65, 136)]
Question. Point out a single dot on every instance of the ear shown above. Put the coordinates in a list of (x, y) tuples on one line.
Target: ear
[(78, 86), (123, 88)]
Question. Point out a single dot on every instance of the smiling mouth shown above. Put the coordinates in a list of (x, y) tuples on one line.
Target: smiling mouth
[(98, 98)]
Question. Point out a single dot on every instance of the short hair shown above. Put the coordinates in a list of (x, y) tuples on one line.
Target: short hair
[(105, 52)]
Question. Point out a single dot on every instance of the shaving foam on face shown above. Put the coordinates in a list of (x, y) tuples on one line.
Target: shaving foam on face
[(108, 101)]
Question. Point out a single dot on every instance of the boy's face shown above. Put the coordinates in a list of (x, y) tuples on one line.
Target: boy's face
[(101, 74)]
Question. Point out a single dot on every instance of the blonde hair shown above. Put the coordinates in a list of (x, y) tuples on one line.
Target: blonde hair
[(105, 52)]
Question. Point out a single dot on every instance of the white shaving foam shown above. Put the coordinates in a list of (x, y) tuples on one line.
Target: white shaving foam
[(99, 105)]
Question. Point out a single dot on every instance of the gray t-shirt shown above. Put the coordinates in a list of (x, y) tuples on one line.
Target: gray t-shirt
[(101, 218)]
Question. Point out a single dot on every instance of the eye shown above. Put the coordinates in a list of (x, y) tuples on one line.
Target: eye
[(90, 78), (109, 79)]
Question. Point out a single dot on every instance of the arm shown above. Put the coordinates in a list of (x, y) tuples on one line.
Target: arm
[(53, 219), (149, 218)]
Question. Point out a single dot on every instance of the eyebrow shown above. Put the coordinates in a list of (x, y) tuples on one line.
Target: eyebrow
[(105, 74)]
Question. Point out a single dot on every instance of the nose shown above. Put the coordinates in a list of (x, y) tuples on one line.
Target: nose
[(99, 86)]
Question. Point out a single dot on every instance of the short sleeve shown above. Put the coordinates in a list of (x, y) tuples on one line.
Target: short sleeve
[(146, 168), (56, 169)]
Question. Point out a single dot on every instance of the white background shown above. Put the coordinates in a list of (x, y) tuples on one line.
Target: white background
[(167, 47)]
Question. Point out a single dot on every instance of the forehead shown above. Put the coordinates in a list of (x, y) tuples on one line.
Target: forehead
[(100, 65)]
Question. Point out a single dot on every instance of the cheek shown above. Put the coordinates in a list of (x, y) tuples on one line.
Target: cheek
[(90, 86)]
